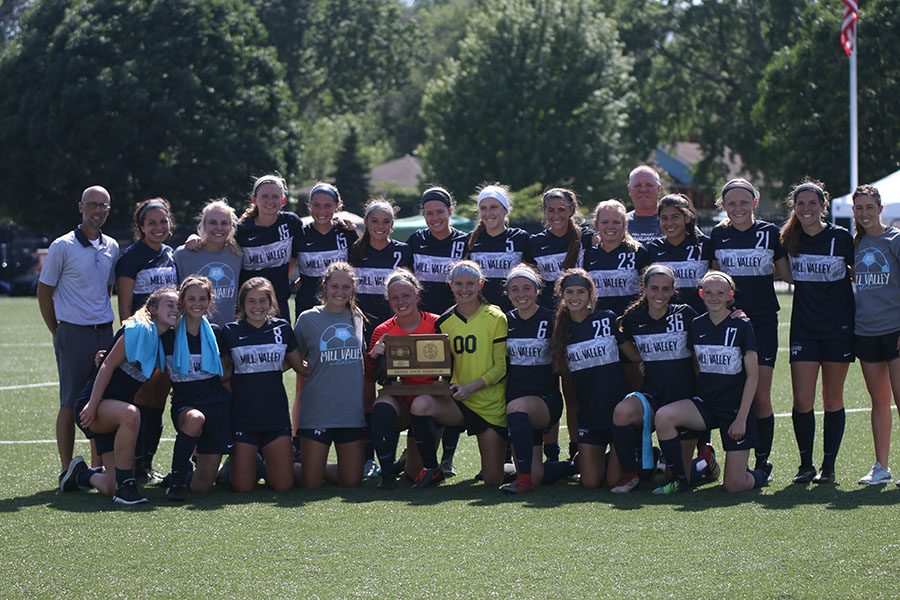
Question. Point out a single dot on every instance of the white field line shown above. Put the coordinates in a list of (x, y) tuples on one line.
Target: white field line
[(28, 385)]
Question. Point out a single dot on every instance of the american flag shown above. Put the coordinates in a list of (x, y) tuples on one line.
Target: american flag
[(848, 26)]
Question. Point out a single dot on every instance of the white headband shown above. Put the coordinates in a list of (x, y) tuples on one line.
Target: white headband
[(380, 206), (525, 272), (496, 192)]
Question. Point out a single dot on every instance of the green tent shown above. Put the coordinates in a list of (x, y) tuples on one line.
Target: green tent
[(403, 228)]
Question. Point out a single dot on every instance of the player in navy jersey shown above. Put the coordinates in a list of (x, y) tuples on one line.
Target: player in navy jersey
[(586, 344), (495, 247), (750, 251), (685, 249), (660, 333), (821, 258), (877, 334), (255, 349), (200, 403), (533, 401), (374, 257), (725, 347), (145, 266), (105, 409), (434, 251), (613, 258)]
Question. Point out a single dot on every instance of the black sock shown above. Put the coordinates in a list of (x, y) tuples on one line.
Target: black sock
[(449, 442), (149, 434), (123, 475), (423, 429), (573, 449), (805, 432), (671, 450), (766, 426), (181, 454), (385, 436), (551, 451), (834, 433), (703, 438), (625, 441), (554, 470), (370, 445), (521, 435), (83, 479)]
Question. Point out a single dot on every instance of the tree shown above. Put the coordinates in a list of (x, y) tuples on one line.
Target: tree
[(146, 97), (803, 103), (351, 175), (540, 93)]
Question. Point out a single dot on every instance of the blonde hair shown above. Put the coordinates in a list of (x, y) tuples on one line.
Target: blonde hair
[(617, 206), (221, 205), (143, 315)]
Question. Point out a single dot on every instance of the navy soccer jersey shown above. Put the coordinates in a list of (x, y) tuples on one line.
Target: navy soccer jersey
[(617, 274), (267, 251), (720, 353), (259, 402), (548, 251), (432, 259), (371, 273), (592, 355), (151, 270), (496, 255), (315, 251), (749, 257), (823, 295), (689, 260), (197, 387), (665, 348), (528, 371)]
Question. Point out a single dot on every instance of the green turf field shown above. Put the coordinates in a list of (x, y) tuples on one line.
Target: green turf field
[(458, 540)]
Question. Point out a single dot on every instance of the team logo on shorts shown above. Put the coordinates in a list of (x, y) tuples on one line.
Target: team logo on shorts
[(872, 269), (796, 349), (338, 345)]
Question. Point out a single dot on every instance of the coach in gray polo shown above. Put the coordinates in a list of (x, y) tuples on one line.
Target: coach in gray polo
[(74, 297)]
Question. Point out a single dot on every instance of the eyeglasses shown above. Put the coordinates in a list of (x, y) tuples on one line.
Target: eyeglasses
[(96, 205)]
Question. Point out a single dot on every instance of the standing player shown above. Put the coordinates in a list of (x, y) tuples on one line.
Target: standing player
[(477, 332), (643, 189), (105, 409), (200, 403), (390, 414), (726, 355), (821, 257), (218, 258), (750, 251), (586, 344), (73, 295), (493, 246), (558, 247), (684, 249), (877, 336), (256, 347), (533, 401)]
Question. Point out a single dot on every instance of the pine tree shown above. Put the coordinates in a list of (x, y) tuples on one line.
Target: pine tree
[(351, 175)]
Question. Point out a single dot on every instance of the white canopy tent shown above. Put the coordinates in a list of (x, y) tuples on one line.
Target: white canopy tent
[(889, 187)]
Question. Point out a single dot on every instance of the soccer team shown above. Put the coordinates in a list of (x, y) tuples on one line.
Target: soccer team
[(634, 322)]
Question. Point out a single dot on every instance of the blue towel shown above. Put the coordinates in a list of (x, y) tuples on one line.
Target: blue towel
[(143, 346), (209, 349), (646, 433)]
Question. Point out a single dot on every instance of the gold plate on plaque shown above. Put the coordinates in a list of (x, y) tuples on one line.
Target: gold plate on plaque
[(421, 355)]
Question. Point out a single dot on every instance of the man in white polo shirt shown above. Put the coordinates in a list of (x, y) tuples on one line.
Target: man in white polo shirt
[(74, 297)]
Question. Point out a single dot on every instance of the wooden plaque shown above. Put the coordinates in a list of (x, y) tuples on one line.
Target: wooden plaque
[(423, 355)]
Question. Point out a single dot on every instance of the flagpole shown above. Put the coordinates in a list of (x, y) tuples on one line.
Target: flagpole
[(854, 154)]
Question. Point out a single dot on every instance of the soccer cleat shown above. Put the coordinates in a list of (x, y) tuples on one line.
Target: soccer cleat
[(628, 482), (521, 485), (128, 493), (175, 492), (877, 475), (147, 476), (766, 467), (673, 487), (428, 477), (713, 470), (387, 482), (825, 476), (805, 474), (447, 467), (68, 480), (371, 469)]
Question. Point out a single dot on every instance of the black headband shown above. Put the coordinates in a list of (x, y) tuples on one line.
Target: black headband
[(148, 207), (579, 280), (810, 187), (737, 184), (436, 193)]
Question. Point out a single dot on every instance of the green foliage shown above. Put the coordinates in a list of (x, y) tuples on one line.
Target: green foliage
[(803, 105), (146, 97), (351, 175), (539, 94)]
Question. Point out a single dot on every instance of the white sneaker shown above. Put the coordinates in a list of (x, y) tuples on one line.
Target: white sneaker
[(877, 476)]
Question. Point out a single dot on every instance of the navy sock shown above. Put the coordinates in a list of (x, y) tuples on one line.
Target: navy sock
[(766, 427), (83, 479), (370, 445), (423, 429), (760, 478), (385, 436), (573, 449), (625, 442), (834, 433), (521, 435), (551, 451), (805, 432), (123, 475), (449, 441), (181, 454), (554, 470), (703, 438), (671, 450), (148, 436)]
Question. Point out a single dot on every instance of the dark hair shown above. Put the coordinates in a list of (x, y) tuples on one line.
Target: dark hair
[(140, 213), (573, 231), (790, 232), (342, 267), (563, 324), (402, 275), (252, 211), (205, 283), (686, 207), (256, 283), (651, 271), (864, 190), (360, 247), (439, 194)]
